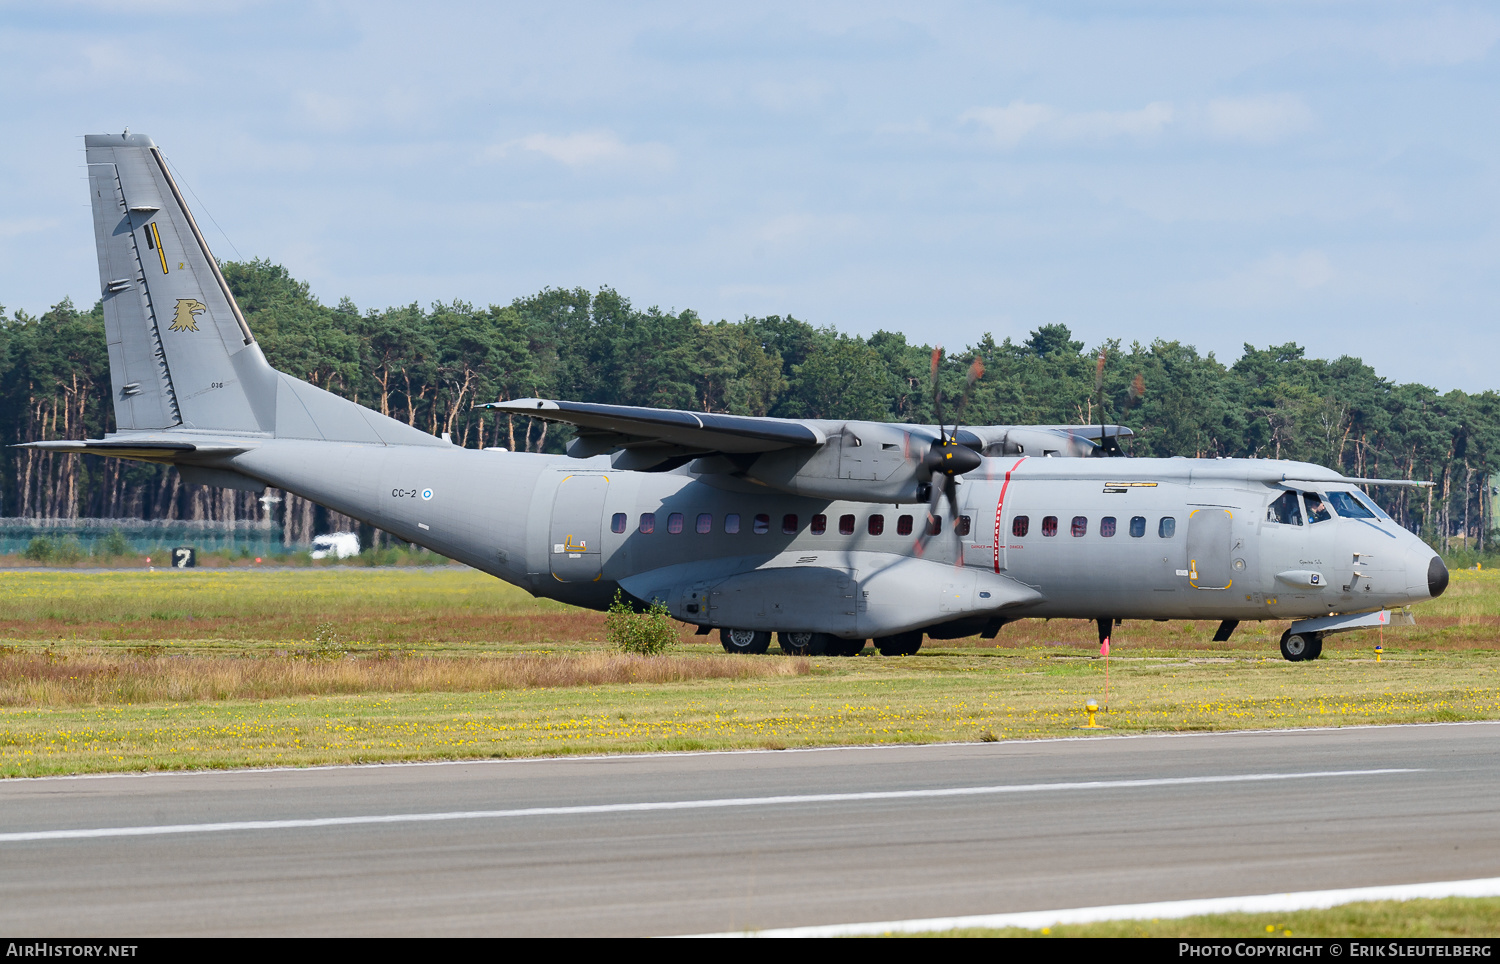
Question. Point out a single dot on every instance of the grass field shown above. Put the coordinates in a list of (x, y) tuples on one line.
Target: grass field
[(152, 670), (1453, 917), (135, 670)]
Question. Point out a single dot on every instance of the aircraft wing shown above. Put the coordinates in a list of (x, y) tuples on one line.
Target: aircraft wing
[(602, 428)]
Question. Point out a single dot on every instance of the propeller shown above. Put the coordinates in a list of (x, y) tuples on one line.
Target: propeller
[(1109, 445), (946, 458)]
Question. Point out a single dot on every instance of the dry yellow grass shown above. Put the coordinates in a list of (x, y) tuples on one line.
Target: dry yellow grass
[(50, 679)]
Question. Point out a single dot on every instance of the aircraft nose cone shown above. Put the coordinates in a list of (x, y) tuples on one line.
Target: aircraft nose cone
[(1437, 577)]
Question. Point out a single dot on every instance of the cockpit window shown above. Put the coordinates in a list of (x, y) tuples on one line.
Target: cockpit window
[(1316, 510), (1285, 510), (1345, 505), (1369, 503)]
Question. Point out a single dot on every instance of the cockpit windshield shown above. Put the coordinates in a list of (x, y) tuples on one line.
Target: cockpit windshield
[(1285, 510), (1317, 511), (1346, 505), (1369, 503)]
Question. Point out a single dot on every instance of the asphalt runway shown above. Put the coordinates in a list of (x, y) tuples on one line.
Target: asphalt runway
[(692, 843)]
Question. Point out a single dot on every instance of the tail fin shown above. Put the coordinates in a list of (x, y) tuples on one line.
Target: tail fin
[(180, 352)]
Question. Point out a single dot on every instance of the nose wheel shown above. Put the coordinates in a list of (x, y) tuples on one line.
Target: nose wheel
[(1298, 647)]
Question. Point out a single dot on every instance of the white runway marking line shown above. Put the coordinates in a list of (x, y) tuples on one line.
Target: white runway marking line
[(1163, 910), (228, 826)]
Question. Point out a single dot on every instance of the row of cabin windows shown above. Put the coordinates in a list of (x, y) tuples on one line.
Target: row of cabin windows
[(790, 524), (1166, 527)]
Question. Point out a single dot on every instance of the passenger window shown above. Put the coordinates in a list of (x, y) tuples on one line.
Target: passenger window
[(964, 522), (705, 523), (732, 523), (1107, 527), (1137, 526), (617, 522), (762, 524), (846, 525), (1167, 528), (876, 525), (1080, 526), (648, 522), (934, 525), (674, 523), (903, 526), (789, 524), (1049, 526), (819, 524), (1316, 510), (1020, 526), (1285, 510)]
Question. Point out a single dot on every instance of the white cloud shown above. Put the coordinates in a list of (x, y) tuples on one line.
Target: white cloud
[(1258, 120), (1446, 38), (1021, 120), (1010, 124), (330, 112), (1274, 278), (19, 226), (804, 228), (590, 149), (1101, 125)]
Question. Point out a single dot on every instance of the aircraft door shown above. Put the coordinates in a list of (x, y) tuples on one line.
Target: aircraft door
[(577, 524), (984, 545), (1210, 531)]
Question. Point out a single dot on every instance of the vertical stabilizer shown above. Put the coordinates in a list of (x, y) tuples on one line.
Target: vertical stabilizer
[(180, 353)]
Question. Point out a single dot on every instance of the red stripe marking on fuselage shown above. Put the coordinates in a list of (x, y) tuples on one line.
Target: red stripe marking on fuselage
[(1000, 507)]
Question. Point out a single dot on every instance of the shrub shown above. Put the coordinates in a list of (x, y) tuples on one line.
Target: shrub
[(649, 633), (40, 549), (69, 550), (113, 545)]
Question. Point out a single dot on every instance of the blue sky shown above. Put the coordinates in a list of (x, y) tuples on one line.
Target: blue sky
[(1215, 173)]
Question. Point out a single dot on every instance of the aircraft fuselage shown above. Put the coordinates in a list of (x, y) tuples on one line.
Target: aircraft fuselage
[(1085, 538)]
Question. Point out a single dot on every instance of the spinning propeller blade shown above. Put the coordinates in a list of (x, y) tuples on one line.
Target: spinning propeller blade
[(946, 459)]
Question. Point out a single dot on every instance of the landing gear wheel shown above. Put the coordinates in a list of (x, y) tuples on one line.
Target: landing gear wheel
[(901, 644), (744, 640), (846, 647), (1297, 647), (800, 644)]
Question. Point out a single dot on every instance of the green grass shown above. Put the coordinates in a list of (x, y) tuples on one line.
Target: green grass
[(166, 670), (1451, 917)]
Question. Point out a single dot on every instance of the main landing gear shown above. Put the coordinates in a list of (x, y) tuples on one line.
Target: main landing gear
[(1298, 647), (901, 644), (744, 640), (818, 644), (753, 641)]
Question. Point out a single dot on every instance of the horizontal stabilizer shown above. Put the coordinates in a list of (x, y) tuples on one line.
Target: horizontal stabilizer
[(145, 450)]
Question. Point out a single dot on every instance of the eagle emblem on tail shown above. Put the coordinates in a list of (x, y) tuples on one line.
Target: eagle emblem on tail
[(187, 308)]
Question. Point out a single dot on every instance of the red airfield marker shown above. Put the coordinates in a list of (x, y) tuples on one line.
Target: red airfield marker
[(1104, 651)]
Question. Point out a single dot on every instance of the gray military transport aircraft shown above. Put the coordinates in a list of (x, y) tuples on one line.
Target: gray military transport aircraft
[(825, 532)]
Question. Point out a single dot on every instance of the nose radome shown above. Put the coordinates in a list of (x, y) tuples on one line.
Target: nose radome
[(1437, 577)]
